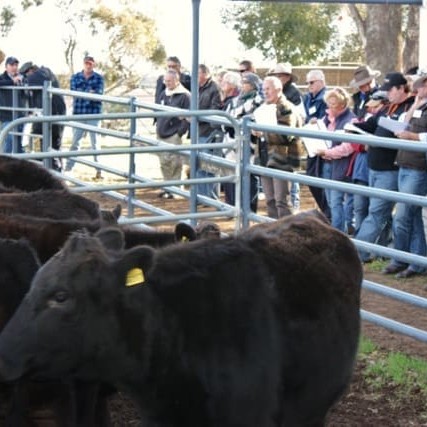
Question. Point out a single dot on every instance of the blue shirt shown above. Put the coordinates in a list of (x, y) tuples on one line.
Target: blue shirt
[(93, 84)]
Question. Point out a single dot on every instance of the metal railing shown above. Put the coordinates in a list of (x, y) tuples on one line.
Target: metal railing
[(240, 172)]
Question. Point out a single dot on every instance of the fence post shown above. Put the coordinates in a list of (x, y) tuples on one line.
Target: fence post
[(47, 126), (245, 196), (132, 168)]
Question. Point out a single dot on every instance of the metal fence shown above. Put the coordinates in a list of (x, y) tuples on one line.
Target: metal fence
[(237, 172)]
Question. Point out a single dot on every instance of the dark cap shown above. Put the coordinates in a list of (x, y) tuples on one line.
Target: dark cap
[(11, 60), (252, 79), (89, 59), (392, 80), (25, 67)]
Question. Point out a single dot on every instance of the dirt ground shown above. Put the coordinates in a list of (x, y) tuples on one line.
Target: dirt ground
[(363, 404)]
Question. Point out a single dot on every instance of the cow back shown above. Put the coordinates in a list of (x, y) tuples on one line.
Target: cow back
[(26, 175)]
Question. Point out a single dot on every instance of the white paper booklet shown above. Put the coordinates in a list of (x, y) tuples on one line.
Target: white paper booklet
[(312, 145), (349, 127), (265, 114), (392, 125)]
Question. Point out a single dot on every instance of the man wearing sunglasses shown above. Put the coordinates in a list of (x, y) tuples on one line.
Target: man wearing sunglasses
[(315, 109)]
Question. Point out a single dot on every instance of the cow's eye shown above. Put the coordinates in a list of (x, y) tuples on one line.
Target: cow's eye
[(60, 296)]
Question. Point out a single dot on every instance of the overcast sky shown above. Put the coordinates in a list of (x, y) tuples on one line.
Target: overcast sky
[(37, 34)]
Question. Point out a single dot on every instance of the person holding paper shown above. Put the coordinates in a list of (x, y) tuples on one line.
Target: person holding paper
[(338, 159), (283, 151), (383, 171), (315, 109), (408, 227)]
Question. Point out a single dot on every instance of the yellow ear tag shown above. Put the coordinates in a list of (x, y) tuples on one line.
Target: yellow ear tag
[(184, 239), (135, 277)]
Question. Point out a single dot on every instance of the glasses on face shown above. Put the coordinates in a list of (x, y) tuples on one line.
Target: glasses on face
[(172, 65), (310, 83), (243, 71)]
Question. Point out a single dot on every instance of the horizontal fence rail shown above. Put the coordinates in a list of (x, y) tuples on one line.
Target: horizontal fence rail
[(237, 172)]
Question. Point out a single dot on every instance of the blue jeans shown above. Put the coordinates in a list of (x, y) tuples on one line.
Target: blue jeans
[(77, 136), (8, 142), (408, 227), (327, 174), (379, 209), (295, 195), (208, 189), (361, 207)]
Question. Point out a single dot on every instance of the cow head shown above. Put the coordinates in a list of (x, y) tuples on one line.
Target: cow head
[(69, 317)]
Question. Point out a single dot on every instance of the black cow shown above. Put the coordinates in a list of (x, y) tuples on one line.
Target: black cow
[(26, 175), (135, 236), (48, 236), (256, 330), (54, 204)]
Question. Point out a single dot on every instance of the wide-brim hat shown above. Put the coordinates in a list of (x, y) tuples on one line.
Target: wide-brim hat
[(363, 75), (283, 68)]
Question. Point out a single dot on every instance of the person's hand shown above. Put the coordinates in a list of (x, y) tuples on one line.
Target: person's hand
[(321, 153), (405, 134), (257, 133)]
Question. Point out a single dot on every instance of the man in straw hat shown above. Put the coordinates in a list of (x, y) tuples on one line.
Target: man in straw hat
[(283, 71), (364, 82)]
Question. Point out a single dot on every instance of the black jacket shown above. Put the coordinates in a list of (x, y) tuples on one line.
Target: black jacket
[(6, 99), (168, 126), (38, 78), (184, 78), (380, 158)]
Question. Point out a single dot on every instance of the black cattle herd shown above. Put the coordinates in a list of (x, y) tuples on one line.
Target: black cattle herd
[(258, 329)]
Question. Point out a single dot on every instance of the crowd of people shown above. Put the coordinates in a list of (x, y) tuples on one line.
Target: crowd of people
[(243, 92), (401, 97), (30, 74)]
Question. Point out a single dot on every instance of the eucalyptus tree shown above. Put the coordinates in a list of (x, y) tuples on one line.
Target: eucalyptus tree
[(292, 32)]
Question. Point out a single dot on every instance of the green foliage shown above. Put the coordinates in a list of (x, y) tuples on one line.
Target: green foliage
[(132, 37), (283, 31), (7, 20)]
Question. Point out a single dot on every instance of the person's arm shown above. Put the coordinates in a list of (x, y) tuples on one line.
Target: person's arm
[(406, 134), (337, 152)]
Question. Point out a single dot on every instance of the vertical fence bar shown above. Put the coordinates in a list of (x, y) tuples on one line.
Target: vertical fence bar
[(132, 166), (47, 126)]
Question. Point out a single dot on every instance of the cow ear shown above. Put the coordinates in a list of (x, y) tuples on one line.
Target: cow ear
[(112, 238), (134, 265), (184, 232)]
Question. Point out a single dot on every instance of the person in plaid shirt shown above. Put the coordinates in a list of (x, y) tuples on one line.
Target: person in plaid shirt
[(88, 81)]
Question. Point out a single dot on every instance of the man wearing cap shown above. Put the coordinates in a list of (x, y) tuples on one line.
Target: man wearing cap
[(36, 76), (364, 82), (383, 171), (408, 227), (87, 81), (11, 77)]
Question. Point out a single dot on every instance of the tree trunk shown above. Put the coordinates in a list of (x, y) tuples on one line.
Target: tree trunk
[(380, 30), (412, 34), (384, 37)]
